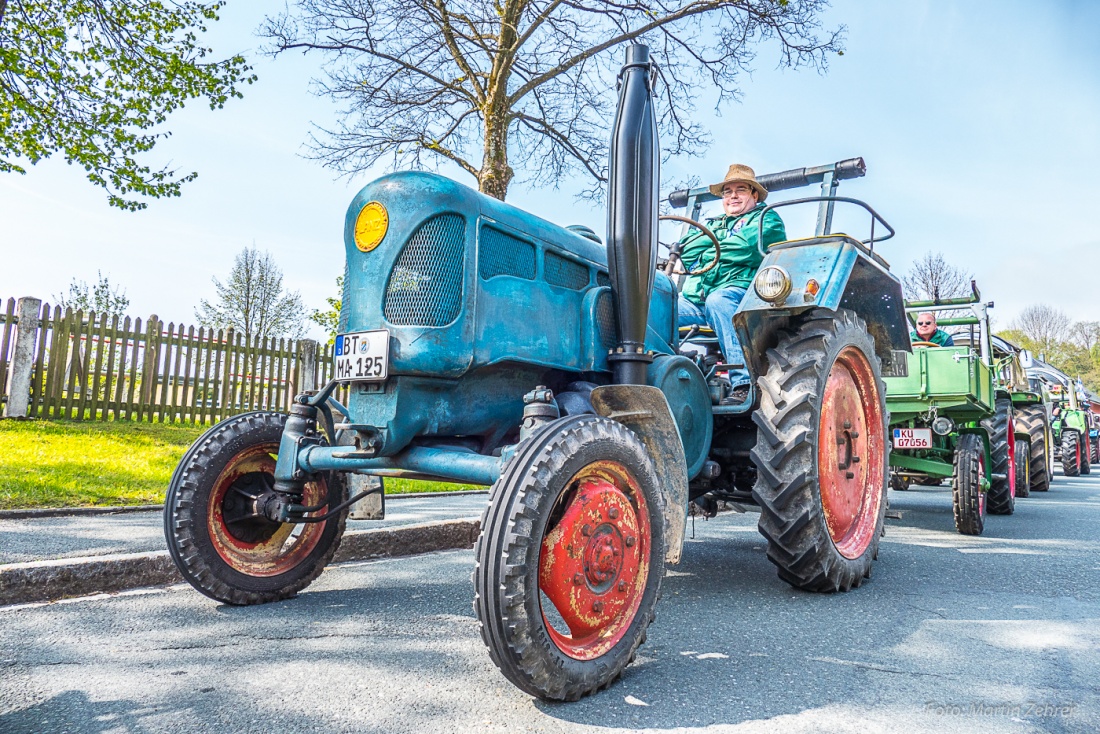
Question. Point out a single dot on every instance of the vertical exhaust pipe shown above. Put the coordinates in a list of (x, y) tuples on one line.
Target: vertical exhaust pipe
[(632, 214)]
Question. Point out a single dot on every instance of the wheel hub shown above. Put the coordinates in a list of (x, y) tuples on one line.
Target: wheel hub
[(851, 453), (241, 533), (603, 558)]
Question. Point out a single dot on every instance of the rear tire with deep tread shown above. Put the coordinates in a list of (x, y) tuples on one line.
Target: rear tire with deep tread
[(797, 423), (968, 499), (1034, 419), (531, 513), (1023, 465), (256, 561), (1001, 499), (1071, 453)]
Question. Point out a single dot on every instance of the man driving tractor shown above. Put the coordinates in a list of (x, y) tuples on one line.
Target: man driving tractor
[(928, 331), (712, 298)]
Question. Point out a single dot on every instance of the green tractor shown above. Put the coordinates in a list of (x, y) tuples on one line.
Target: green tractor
[(1069, 418), (1031, 406), (952, 417)]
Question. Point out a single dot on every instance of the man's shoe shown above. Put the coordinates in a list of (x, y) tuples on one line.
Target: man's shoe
[(737, 397)]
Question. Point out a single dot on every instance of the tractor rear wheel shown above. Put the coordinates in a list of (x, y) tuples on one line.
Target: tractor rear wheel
[(1035, 421), (1083, 452), (968, 497), (570, 558), (821, 452), (1023, 464), (1002, 454), (218, 543), (1071, 453)]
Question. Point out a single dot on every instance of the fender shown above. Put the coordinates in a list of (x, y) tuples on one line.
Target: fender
[(644, 410), (1075, 420), (848, 275)]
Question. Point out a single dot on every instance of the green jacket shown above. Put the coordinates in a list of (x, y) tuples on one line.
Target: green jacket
[(740, 256), (939, 336)]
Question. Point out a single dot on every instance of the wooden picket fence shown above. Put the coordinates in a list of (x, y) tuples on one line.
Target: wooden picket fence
[(99, 367)]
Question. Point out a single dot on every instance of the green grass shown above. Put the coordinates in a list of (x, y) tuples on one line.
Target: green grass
[(102, 464)]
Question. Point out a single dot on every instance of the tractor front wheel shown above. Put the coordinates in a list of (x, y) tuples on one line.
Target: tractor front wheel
[(570, 558), (1023, 464), (821, 452), (1071, 453), (1002, 455), (220, 545), (968, 496)]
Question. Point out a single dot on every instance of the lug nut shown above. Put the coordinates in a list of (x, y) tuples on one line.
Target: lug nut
[(597, 607), (630, 540), (586, 530), (613, 513), (578, 579), (622, 586)]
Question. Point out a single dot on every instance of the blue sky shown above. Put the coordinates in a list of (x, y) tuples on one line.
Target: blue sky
[(979, 121)]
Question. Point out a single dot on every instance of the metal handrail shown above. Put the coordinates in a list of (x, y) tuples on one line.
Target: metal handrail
[(843, 199)]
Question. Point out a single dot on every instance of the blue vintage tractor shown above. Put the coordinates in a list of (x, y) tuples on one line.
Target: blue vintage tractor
[(485, 345)]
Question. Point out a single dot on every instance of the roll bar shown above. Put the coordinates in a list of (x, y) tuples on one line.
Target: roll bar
[(829, 176), (831, 200)]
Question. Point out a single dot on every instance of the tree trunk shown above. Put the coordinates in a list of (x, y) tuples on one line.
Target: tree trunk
[(495, 174)]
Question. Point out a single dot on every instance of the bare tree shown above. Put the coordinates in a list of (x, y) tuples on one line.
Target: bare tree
[(933, 278), (252, 300), (1047, 327), (524, 83), (1086, 334)]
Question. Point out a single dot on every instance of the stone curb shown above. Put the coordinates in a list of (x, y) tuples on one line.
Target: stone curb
[(37, 581), (121, 509)]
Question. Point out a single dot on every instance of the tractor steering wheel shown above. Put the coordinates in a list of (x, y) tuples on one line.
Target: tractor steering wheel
[(925, 344), (674, 249)]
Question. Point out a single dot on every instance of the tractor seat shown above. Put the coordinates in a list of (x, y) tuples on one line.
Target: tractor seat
[(698, 335)]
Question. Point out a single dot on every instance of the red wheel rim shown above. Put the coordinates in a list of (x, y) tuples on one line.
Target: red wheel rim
[(981, 479), (851, 453), (594, 561), (287, 546), (1011, 463)]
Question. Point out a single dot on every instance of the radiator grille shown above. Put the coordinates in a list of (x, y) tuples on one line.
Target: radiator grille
[(565, 273), (425, 287), (503, 254), (605, 321)]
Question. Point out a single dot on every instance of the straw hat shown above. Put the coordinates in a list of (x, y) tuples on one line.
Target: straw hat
[(739, 173)]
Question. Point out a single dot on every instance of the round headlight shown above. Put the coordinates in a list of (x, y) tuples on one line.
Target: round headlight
[(943, 426), (772, 283)]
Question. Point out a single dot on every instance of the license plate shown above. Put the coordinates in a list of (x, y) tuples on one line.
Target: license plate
[(912, 438), (363, 356)]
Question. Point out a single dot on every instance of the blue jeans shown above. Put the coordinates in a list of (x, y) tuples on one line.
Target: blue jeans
[(718, 313)]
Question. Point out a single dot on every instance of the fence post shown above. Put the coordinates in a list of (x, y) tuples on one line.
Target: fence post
[(308, 379), (22, 358)]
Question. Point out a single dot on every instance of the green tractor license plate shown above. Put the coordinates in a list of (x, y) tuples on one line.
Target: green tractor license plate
[(912, 438), (362, 356)]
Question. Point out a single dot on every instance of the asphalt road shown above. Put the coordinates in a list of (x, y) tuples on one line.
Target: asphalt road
[(79, 536), (999, 633)]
